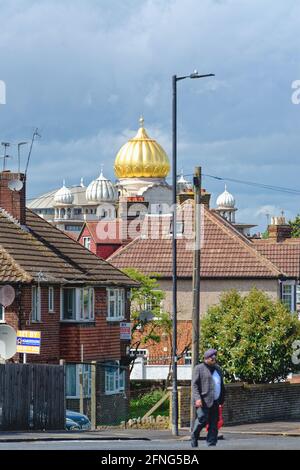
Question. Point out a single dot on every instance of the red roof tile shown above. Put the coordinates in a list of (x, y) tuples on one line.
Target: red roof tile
[(224, 253)]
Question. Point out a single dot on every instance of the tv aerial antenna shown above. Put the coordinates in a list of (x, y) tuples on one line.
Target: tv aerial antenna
[(20, 144), (5, 156), (34, 136)]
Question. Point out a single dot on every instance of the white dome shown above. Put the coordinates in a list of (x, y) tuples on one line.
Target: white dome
[(183, 184), (226, 200), (63, 195), (101, 190)]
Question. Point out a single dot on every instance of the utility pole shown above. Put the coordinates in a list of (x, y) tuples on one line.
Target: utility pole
[(196, 278)]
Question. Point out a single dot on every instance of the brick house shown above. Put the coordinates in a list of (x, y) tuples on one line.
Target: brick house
[(74, 298), (104, 237), (229, 260)]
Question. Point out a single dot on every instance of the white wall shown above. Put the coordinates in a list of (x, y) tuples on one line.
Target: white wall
[(142, 371)]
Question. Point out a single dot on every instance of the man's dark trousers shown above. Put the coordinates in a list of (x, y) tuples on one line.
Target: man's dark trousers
[(208, 416)]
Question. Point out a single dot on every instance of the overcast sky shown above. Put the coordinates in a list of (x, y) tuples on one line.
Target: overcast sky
[(84, 71)]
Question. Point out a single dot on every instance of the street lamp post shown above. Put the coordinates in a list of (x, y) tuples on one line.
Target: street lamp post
[(176, 79)]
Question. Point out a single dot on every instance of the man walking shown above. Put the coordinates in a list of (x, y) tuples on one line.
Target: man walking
[(208, 393)]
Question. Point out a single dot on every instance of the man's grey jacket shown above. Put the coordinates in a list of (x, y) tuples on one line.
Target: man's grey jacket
[(203, 385)]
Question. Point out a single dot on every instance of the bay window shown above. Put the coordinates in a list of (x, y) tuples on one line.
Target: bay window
[(77, 304), (115, 304)]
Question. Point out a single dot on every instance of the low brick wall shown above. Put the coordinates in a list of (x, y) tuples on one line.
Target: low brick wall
[(249, 403)]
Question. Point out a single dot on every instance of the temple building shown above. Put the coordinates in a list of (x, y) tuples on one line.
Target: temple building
[(141, 167)]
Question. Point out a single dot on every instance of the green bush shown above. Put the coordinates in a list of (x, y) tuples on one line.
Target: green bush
[(140, 406), (253, 335)]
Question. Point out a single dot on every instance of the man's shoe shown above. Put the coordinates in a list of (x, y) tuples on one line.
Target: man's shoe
[(194, 442)]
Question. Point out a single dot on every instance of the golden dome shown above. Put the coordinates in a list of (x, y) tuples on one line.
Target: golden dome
[(142, 157)]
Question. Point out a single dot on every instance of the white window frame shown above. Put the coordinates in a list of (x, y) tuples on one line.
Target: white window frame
[(50, 299), (87, 242), (298, 294), (36, 304), (81, 315), (292, 284), (114, 378), (188, 358), (87, 381), (2, 314), (115, 296)]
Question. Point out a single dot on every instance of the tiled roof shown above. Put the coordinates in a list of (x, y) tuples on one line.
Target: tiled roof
[(225, 253), (109, 231), (285, 255), (42, 252)]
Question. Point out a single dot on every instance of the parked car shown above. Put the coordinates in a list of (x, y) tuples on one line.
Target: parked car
[(74, 421), (81, 420), (71, 425)]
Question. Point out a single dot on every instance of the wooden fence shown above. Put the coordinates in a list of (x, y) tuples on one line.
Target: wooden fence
[(32, 397)]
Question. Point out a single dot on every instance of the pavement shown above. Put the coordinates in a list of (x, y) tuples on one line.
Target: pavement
[(278, 428)]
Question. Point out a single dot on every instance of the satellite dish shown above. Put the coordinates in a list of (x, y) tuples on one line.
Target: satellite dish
[(8, 342), (15, 185), (146, 315), (7, 295)]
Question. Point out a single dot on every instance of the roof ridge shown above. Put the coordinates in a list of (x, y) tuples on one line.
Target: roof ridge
[(234, 233)]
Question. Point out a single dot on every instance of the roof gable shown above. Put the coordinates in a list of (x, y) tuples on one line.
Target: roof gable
[(225, 253), (44, 253)]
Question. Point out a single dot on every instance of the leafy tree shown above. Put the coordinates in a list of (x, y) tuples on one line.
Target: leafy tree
[(147, 298), (253, 335), (146, 331), (295, 224)]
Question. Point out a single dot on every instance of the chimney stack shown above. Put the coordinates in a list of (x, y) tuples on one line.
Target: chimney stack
[(205, 197), (279, 230), (13, 195)]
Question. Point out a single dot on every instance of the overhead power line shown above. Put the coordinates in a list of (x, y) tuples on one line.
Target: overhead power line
[(255, 184)]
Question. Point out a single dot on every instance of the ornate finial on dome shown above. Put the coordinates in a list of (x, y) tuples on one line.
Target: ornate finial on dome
[(101, 171), (142, 121), (142, 157)]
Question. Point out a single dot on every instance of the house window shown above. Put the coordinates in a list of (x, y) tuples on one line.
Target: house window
[(36, 304), (298, 294), (73, 372), (2, 316), (78, 304), (69, 304), (114, 378), (73, 228), (288, 295), (115, 304), (51, 299), (187, 358), (87, 242)]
